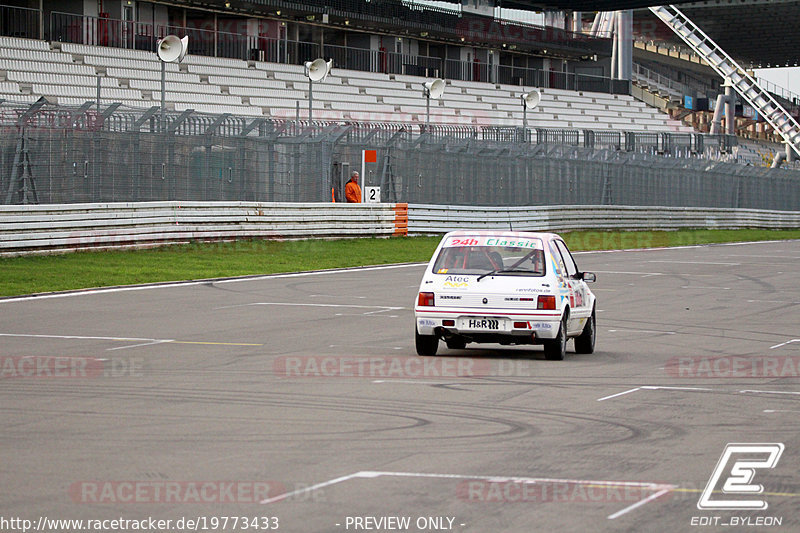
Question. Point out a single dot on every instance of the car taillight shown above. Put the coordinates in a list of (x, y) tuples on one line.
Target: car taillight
[(546, 302), (425, 299)]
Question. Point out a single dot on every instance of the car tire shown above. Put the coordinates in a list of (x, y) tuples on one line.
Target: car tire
[(556, 349), (456, 343), (584, 343), (426, 344)]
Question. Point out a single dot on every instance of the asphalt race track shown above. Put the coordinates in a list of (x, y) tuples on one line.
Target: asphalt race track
[(300, 397)]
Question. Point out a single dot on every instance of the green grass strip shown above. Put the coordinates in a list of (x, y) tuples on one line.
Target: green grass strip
[(34, 274)]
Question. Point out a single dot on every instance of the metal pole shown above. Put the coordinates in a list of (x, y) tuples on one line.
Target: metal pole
[(98, 93), (577, 27), (730, 120), (310, 99), (524, 116), (427, 111), (624, 44), (613, 28), (41, 20), (163, 99)]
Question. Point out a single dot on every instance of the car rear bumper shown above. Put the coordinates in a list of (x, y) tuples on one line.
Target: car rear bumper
[(477, 323)]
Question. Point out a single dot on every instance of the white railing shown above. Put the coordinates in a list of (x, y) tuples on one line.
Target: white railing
[(424, 219), (70, 227), (663, 85)]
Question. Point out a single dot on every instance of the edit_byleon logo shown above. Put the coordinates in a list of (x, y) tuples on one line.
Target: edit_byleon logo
[(733, 477)]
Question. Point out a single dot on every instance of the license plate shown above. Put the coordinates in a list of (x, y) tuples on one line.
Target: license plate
[(482, 323)]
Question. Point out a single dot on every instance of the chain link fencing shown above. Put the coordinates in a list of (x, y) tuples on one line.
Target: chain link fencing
[(58, 154)]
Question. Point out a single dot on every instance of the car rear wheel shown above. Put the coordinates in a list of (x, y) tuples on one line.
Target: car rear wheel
[(426, 344), (584, 343), (556, 349)]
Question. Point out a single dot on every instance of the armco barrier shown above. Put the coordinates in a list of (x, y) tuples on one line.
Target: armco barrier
[(425, 219), (68, 227)]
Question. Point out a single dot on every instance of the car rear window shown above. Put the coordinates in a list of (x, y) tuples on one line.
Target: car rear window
[(481, 254)]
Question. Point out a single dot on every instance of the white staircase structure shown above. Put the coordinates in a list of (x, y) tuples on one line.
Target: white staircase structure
[(775, 115)]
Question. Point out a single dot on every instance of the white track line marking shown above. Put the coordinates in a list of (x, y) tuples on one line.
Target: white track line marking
[(643, 331), (640, 503), (629, 273), (79, 337), (420, 382), (654, 387), (138, 345), (170, 285), (766, 392), (660, 488), (699, 287), (617, 394), (784, 344), (684, 247), (375, 308), (692, 262), (309, 489), (144, 342)]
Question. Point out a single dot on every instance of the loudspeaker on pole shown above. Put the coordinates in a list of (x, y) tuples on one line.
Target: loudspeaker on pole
[(318, 69), (435, 88), (531, 99), (172, 49)]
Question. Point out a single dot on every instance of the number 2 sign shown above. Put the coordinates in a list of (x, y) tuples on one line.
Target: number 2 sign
[(372, 195)]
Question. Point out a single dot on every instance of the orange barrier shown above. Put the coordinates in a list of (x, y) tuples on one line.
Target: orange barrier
[(401, 219)]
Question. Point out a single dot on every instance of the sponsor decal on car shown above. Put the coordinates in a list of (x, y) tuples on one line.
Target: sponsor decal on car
[(456, 282), (530, 244)]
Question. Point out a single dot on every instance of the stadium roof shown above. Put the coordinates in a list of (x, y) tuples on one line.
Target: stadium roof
[(757, 33), (583, 5)]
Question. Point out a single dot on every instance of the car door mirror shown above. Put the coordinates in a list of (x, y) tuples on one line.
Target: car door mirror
[(588, 277)]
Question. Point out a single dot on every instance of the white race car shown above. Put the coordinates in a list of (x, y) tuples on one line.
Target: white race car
[(506, 287)]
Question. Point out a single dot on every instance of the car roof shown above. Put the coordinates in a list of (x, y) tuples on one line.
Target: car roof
[(501, 233)]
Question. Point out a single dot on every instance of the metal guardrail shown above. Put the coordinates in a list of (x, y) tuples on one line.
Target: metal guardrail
[(59, 228), (62, 228), (426, 219)]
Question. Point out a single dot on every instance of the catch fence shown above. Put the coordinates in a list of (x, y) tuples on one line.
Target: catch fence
[(57, 154)]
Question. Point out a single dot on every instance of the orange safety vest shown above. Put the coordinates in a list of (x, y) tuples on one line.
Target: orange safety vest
[(352, 192)]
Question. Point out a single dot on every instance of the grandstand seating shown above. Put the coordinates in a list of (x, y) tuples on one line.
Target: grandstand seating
[(67, 73)]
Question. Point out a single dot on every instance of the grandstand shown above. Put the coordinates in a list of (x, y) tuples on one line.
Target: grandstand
[(68, 74), (247, 61)]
